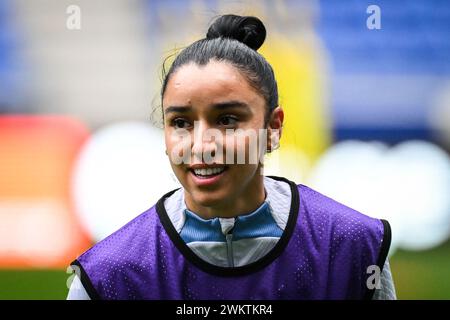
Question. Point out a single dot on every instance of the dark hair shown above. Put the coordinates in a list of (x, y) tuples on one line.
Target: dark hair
[(234, 39)]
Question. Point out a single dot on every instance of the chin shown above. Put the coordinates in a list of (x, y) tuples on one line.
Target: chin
[(208, 199)]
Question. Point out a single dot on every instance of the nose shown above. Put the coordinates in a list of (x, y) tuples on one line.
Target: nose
[(204, 142)]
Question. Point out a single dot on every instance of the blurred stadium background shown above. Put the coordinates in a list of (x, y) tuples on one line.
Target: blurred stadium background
[(367, 122)]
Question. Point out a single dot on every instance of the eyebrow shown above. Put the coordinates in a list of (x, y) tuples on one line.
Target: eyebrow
[(177, 109), (219, 106)]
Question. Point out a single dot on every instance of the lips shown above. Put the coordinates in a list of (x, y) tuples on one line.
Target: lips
[(207, 175)]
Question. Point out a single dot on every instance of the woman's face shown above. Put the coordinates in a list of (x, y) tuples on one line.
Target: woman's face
[(203, 107)]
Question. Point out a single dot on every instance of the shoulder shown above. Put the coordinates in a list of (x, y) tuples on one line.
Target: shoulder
[(143, 225), (126, 248), (139, 232), (113, 251), (320, 211), (317, 206), (323, 216), (130, 231), (351, 240), (343, 228)]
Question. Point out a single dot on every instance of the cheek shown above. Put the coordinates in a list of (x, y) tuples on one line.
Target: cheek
[(178, 147), (244, 148)]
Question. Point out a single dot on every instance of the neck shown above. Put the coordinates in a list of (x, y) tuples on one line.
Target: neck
[(248, 201)]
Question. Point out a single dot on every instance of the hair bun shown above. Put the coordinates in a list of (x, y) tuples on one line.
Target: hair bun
[(246, 29)]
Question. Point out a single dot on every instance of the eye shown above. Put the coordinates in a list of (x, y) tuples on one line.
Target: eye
[(180, 123), (228, 121)]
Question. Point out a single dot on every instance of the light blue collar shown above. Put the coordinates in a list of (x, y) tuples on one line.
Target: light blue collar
[(259, 223)]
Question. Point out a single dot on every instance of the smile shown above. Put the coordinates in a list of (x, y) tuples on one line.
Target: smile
[(203, 175), (207, 172)]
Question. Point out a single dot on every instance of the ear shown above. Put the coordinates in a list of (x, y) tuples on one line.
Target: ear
[(274, 129)]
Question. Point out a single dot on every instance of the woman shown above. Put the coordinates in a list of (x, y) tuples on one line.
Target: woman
[(230, 232)]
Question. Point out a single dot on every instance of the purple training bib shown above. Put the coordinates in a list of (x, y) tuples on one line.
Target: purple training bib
[(324, 253)]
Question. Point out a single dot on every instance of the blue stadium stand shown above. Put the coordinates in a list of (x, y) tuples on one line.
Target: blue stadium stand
[(413, 43)]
